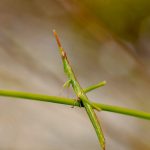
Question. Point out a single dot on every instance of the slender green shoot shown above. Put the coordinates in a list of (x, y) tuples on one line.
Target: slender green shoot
[(68, 101)]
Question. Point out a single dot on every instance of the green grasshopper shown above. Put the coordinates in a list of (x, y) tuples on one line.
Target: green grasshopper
[(81, 93)]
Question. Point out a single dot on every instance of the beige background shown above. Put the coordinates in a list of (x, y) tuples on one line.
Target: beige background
[(29, 61)]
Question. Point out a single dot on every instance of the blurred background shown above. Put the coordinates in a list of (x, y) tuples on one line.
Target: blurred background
[(105, 40)]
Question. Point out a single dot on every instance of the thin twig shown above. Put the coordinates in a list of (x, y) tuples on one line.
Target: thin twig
[(68, 101)]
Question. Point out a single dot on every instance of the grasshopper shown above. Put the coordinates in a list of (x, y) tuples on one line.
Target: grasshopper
[(81, 93)]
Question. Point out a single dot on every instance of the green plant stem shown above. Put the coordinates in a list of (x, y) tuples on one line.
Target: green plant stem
[(68, 101)]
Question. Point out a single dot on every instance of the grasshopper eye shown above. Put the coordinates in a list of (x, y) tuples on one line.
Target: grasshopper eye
[(63, 53)]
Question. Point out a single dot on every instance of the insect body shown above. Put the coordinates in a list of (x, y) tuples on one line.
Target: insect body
[(81, 94)]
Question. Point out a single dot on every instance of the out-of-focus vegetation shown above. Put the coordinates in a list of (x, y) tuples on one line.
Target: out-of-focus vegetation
[(125, 17)]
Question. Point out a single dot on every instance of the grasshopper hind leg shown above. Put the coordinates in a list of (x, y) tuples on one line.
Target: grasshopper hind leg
[(77, 100)]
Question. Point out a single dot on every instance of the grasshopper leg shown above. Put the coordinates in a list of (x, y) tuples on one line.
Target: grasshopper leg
[(67, 83), (77, 100)]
